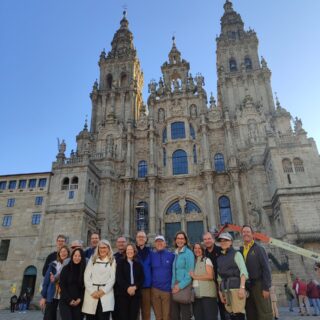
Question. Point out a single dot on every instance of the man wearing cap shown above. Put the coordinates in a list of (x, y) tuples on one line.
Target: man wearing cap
[(161, 267), (258, 305), (213, 252)]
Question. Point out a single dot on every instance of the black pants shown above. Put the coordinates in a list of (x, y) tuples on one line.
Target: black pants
[(50, 313), (205, 308), (180, 311), (127, 307), (68, 312), (100, 315), (237, 316), (12, 306), (222, 311)]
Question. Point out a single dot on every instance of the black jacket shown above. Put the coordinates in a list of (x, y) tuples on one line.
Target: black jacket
[(123, 281), (257, 263), (71, 286), (51, 257)]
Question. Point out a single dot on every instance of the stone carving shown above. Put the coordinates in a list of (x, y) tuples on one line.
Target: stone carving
[(62, 147), (255, 215), (253, 131), (193, 111), (298, 125), (110, 144), (161, 115), (222, 184), (114, 225)]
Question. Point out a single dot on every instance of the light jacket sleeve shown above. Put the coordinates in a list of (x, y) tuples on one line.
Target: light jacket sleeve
[(88, 283), (189, 266), (112, 279)]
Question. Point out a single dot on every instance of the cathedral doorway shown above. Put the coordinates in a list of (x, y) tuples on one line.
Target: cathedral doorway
[(29, 281), (184, 214)]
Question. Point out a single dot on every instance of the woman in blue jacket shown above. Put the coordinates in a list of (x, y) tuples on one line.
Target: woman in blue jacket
[(182, 265), (50, 287)]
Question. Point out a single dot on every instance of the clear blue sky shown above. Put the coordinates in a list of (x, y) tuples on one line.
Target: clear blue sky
[(50, 48)]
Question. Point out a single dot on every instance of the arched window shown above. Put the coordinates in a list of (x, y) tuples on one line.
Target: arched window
[(225, 210), (142, 169), (164, 157), (123, 80), (219, 162), (179, 162), (233, 65), (192, 132), (92, 188), (191, 207), (287, 165), (142, 216), (65, 183), (74, 183), (109, 81), (248, 63), (178, 130), (29, 280), (95, 191), (164, 135), (194, 154), (174, 208), (298, 165), (89, 186)]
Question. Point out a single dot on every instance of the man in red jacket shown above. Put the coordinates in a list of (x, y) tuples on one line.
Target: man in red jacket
[(300, 288), (313, 293)]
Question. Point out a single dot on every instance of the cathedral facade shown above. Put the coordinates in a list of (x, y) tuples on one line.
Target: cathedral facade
[(182, 161)]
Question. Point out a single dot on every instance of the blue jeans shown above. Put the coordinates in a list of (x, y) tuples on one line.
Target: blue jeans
[(290, 305), (22, 307), (316, 306)]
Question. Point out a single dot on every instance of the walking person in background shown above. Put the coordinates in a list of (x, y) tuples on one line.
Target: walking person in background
[(129, 282), (13, 303), (60, 241), (289, 296), (300, 288), (99, 279), (213, 252), (23, 303), (72, 286), (94, 240), (182, 266), (313, 293), (258, 304), (232, 275), (274, 301), (50, 287), (144, 257), (161, 267), (205, 305)]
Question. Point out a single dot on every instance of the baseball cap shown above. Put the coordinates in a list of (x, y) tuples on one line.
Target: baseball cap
[(159, 237), (225, 235)]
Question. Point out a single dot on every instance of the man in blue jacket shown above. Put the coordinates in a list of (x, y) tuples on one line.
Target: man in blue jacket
[(144, 257), (161, 268)]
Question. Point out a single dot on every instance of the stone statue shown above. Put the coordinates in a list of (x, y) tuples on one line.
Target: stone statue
[(62, 147), (297, 125), (110, 144), (253, 131), (114, 225), (193, 111), (161, 115), (255, 215)]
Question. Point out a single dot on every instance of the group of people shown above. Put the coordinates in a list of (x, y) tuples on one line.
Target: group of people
[(200, 281), (307, 295)]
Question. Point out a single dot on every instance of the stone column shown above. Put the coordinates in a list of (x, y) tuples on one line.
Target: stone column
[(123, 106), (113, 99), (211, 198), (237, 195), (127, 206), (152, 165), (152, 207), (129, 150), (104, 106), (205, 143)]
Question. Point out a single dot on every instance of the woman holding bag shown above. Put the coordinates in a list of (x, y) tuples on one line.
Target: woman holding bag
[(181, 280)]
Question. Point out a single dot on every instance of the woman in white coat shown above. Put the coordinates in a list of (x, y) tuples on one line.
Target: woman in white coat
[(99, 279)]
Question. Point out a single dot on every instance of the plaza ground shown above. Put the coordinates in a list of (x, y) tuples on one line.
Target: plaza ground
[(37, 315)]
